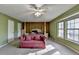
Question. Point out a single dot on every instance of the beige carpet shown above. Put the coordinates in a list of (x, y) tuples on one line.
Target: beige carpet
[(15, 43)]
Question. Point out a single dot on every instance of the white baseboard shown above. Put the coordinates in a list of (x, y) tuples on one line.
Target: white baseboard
[(3, 45)]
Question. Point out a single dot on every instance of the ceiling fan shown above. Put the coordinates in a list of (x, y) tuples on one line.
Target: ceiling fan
[(36, 9)]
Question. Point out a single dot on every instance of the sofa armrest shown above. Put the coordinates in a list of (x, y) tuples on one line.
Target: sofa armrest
[(43, 38)]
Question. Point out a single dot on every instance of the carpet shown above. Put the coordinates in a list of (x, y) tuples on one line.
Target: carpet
[(43, 51), (15, 43)]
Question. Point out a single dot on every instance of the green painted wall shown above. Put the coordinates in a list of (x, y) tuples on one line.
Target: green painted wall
[(53, 28), (4, 28)]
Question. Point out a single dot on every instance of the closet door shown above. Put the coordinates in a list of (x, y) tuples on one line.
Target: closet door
[(10, 30)]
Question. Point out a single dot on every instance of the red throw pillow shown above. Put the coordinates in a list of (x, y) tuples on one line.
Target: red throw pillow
[(22, 38), (37, 37), (42, 38), (32, 36), (28, 37)]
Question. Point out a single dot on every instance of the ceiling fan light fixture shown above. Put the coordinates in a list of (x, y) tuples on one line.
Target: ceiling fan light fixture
[(37, 14)]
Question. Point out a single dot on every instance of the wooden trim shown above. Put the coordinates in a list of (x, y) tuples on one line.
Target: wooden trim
[(25, 27), (44, 26)]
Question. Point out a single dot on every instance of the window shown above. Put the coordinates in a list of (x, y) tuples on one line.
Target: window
[(61, 29), (73, 29)]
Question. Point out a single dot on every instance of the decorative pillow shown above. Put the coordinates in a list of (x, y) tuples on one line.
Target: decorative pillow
[(37, 37), (28, 37), (33, 37), (42, 38), (22, 38)]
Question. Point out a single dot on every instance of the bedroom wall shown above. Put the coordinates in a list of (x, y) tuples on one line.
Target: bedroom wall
[(4, 28), (32, 25), (53, 29)]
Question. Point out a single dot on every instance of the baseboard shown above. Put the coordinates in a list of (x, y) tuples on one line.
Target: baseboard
[(3, 45)]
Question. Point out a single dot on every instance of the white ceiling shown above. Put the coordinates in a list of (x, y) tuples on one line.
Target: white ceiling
[(21, 12)]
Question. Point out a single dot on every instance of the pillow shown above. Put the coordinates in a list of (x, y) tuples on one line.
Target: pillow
[(37, 37), (42, 38), (28, 38), (22, 38), (33, 36)]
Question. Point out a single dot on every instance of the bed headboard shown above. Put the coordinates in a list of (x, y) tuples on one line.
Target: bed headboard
[(38, 30)]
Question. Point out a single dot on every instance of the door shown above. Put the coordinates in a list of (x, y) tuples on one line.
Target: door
[(19, 29), (10, 30)]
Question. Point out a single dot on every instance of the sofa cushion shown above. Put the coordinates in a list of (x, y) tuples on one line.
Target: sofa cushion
[(37, 37), (32, 44), (28, 38), (33, 37)]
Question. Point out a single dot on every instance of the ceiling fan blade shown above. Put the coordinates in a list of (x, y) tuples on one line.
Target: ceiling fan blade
[(30, 7), (41, 10), (33, 5), (37, 6)]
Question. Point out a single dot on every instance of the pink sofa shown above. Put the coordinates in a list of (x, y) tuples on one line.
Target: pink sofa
[(32, 41)]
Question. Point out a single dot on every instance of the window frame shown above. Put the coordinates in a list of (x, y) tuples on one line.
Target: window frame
[(60, 29), (65, 29), (73, 32)]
